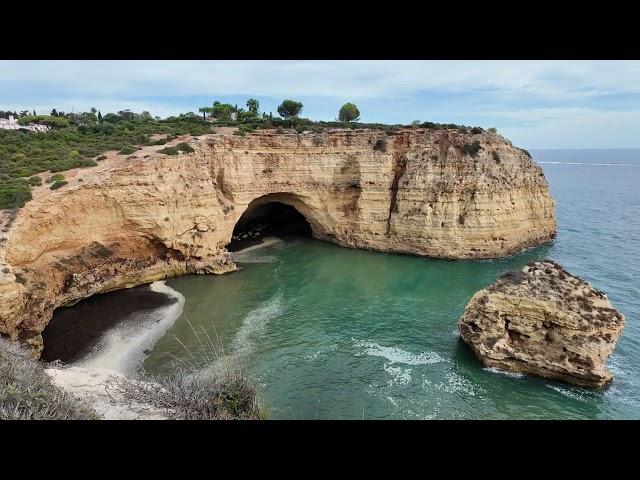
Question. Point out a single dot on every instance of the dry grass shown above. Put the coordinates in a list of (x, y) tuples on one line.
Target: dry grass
[(27, 393), (208, 385)]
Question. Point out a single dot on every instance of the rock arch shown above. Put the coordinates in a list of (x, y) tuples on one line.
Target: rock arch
[(297, 202)]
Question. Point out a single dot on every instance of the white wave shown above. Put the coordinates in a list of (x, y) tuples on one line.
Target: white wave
[(253, 254), (319, 353), (122, 349), (454, 384), (601, 164), (255, 325), (399, 375), (397, 355), (566, 392), (502, 372)]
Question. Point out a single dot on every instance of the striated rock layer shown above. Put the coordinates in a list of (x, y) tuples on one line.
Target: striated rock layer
[(151, 216), (546, 322)]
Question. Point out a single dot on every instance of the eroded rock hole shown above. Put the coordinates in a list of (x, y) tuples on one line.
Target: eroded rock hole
[(265, 220)]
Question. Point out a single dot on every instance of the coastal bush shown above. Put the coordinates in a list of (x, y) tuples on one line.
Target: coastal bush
[(186, 396), (209, 386), (169, 151), (380, 145), (56, 178), (34, 181), (525, 152), (476, 130), (57, 122), (14, 193), (27, 393), (471, 149), (57, 184), (101, 157), (496, 156), (127, 150), (184, 147)]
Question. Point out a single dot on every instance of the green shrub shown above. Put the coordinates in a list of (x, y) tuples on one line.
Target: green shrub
[(184, 147), (169, 151), (476, 130), (101, 157), (35, 181), (380, 145), (57, 184), (525, 152), (56, 178), (471, 149), (57, 122), (127, 150), (14, 193)]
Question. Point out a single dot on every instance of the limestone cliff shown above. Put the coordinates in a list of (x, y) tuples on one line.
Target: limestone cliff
[(546, 322), (150, 216)]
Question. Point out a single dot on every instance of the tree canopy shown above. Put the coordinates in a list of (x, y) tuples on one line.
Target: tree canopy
[(349, 113), (289, 109), (253, 105)]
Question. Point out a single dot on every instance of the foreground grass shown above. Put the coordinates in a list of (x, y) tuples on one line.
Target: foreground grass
[(27, 393), (186, 396), (206, 385), (223, 392)]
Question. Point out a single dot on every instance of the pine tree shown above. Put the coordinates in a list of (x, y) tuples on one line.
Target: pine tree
[(99, 116)]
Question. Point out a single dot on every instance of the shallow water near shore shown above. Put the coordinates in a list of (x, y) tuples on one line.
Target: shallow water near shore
[(337, 333)]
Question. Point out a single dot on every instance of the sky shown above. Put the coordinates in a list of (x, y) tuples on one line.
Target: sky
[(535, 104)]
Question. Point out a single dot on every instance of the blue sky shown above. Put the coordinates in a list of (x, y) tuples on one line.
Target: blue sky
[(536, 104)]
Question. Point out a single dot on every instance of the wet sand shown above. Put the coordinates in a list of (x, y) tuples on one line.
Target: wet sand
[(73, 331)]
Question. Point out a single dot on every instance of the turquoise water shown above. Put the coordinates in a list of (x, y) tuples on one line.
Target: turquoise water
[(336, 333)]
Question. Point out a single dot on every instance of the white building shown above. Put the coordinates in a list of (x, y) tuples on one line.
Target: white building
[(12, 124)]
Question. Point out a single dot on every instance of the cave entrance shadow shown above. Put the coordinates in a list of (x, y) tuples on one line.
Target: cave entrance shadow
[(268, 218)]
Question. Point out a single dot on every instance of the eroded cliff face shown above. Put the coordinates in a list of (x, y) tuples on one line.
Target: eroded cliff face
[(546, 322), (151, 216)]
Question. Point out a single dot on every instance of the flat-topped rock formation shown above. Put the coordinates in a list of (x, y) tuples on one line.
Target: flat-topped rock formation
[(543, 321), (437, 193)]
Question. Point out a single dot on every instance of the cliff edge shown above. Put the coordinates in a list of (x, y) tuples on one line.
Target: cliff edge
[(128, 221)]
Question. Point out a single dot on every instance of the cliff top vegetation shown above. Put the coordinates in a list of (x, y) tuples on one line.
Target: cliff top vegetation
[(80, 139)]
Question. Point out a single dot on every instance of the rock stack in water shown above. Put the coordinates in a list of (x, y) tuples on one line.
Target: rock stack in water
[(543, 321)]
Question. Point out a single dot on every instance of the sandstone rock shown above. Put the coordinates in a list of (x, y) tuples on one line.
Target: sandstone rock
[(543, 321), (140, 220)]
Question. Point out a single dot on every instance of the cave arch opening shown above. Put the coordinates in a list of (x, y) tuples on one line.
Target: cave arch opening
[(266, 217)]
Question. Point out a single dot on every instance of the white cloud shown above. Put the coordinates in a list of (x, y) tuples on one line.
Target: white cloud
[(537, 103), (353, 79)]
